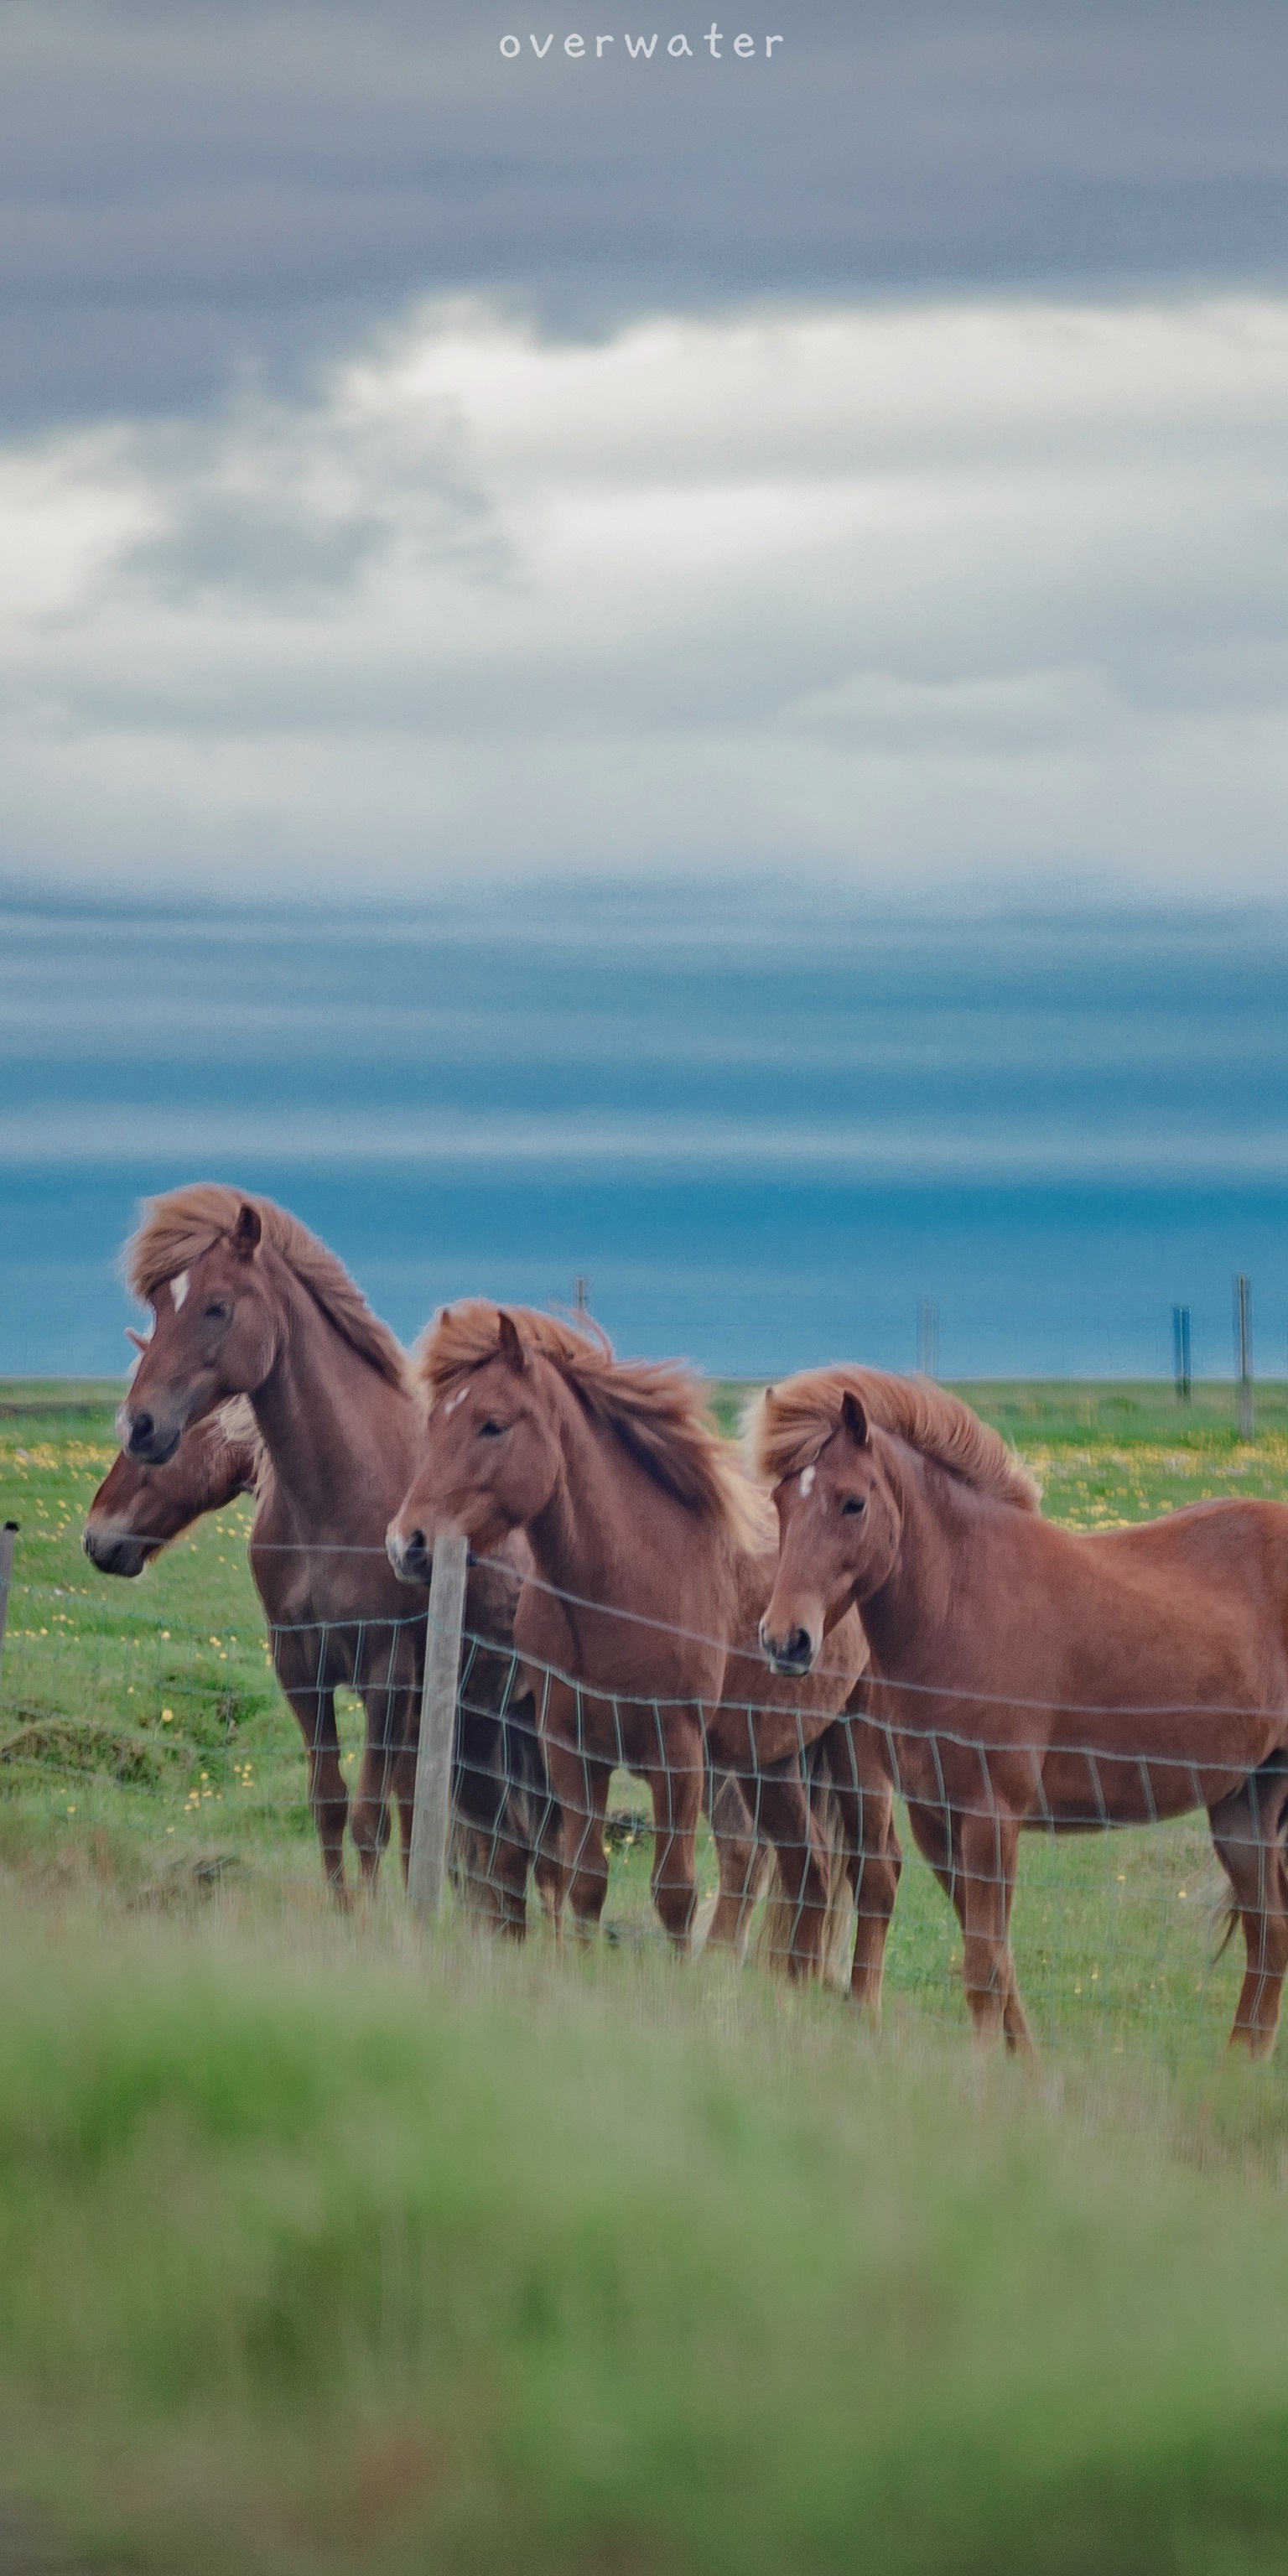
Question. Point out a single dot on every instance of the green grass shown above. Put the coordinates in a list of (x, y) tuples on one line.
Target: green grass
[(179, 1736), (326, 2248), (321, 2250)]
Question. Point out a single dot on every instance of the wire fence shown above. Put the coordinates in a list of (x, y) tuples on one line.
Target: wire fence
[(617, 1811)]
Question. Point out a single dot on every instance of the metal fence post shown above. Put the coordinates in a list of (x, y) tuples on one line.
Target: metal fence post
[(1243, 1345), (7, 1537), (928, 1336), (427, 1862)]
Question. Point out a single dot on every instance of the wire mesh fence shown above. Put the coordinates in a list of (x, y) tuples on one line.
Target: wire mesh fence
[(180, 1738)]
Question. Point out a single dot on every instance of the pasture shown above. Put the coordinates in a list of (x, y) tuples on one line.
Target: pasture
[(325, 2247)]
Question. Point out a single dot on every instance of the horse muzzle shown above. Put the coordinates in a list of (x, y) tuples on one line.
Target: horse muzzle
[(409, 1554), (117, 1551), (792, 1654)]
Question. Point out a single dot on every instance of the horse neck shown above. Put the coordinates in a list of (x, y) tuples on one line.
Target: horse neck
[(332, 1425), (610, 1533), (911, 1616)]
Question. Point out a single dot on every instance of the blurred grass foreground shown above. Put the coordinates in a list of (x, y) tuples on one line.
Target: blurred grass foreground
[(323, 2250), (325, 2246)]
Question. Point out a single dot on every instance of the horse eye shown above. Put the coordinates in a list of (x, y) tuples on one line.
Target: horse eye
[(852, 1504), (491, 1430), (217, 1314)]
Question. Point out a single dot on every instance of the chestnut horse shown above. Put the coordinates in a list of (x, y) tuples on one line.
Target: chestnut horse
[(499, 1789), (139, 1509), (248, 1302), (1025, 1675), (639, 1627)]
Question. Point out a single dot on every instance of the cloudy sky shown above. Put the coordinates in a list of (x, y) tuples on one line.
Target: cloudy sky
[(421, 467)]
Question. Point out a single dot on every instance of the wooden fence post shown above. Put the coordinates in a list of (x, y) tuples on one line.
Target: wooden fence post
[(7, 1536), (427, 1864)]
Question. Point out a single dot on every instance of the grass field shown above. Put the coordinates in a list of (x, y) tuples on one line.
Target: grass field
[(324, 2248)]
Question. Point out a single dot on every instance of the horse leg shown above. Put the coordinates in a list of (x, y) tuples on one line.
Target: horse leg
[(533, 1818), (745, 1862), (490, 1873), (988, 1844), (1247, 1832), (864, 1798), (589, 1883), (874, 1865), (549, 1874), (786, 1816), (573, 1859), (389, 1708), (509, 1863), (312, 1703), (935, 1844), (676, 1786)]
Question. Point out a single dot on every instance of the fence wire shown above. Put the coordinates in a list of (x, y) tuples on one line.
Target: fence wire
[(619, 1808)]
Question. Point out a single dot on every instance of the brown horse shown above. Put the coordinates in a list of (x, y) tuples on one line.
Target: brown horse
[(248, 1302), (651, 1569), (139, 1509), (1024, 1675), (499, 1790)]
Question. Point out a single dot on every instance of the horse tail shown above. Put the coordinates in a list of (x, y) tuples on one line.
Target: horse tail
[(747, 1869), (836, 1958), (500, 1807), (469, 1865), (771, 1949)]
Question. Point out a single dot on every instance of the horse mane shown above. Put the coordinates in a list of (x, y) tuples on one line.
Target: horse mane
[(180, 1227), (658, 1409), (786, 1427), (238, 1429)]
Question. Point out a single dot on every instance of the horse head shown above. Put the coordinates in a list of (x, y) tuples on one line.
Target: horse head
[(839, 1529), (215, 1335), (139, 1509), (491, 1458)]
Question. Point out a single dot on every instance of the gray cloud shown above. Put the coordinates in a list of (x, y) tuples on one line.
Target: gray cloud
[(199, 189), (905, 593)]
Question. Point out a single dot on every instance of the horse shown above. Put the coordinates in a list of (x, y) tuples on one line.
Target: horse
[(1024, 1675), (499, 1790), (139, 1509), (248, 1303), (639, 1622)]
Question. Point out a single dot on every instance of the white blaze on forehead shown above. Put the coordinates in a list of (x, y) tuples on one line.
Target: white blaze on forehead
[(807, 1480), (179, 1289), (454, 1400)]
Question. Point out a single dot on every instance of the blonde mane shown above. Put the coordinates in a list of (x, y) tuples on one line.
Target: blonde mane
[(787, 1426), (180, 1227), (658, 1409), (238, 1429)]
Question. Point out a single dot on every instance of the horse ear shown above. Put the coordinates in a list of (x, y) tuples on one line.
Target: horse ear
[(509, 1344), (140, 1340), (854, 1419), (247, 1231)]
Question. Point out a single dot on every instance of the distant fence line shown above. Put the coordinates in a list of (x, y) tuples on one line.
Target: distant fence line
[(963, 1337), (1126, 1927)]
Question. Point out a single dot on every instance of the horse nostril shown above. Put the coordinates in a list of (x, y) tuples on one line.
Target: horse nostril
[(408, 1554), (799, 1649)]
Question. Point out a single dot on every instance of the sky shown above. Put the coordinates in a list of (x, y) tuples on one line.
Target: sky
[(862, 464), (653, 661)]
